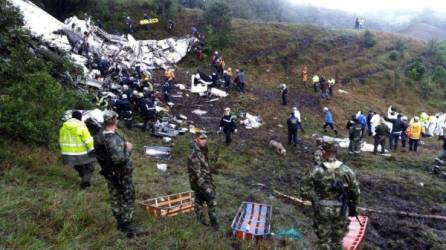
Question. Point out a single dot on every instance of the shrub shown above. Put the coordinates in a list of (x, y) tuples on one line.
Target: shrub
[(218, 15), (369, 39), (416, 70), (393, 55), (439, 76)]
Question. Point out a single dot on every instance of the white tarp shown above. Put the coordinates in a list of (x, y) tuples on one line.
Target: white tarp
[(344, 142), (149, 54), (252, 121)]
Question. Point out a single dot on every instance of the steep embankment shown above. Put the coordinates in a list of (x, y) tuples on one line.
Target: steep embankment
[(41, 206)]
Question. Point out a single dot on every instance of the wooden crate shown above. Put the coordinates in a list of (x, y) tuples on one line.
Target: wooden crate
[(169, 205), (252, 221), (355, 233)]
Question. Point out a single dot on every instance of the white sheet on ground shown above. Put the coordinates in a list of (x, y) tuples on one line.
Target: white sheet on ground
[(343, 143)]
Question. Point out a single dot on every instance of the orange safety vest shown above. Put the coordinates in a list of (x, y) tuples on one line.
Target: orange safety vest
[(414, 131)]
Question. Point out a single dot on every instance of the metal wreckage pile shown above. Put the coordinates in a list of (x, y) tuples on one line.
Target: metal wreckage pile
[(113, 65)]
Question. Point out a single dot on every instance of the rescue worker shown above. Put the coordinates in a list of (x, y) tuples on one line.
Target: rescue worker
[(242, 80), (355, 135), (215, 62), (317, 154), (201, 181), (166, 90), (414, 133), (362, 119), (227, 74), (296, 113), (440, 159), (304, 75), (293, 127), (130, 24), (334, 192), (284, 93), (147, 17), (398, 127), (215, 82), (404, 134), (331, 84), (316, 83), (227, 125), (77, 147), (124, 109), (324, 88), (329, 122), (113, 154), (381, 133), (148, 110), (169, 76), (369, 122)]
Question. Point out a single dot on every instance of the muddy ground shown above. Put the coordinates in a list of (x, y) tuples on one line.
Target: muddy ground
[(379, 190)]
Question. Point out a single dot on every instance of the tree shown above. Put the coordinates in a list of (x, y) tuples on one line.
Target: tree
[(439, 76), (218, 15), (416, 70), (369, 39)]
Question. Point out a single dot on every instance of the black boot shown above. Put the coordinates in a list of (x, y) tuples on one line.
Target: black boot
[(132, 230), (214, 224), (119, 224)]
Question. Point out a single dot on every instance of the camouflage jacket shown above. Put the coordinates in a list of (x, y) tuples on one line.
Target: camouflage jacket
[(318, 185), (111, 151), (199, 171)]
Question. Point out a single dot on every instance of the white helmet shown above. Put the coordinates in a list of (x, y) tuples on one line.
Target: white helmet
[(294, 108), (325, 109), (125, 87), (284, 85), (227, 110), (124, 96)]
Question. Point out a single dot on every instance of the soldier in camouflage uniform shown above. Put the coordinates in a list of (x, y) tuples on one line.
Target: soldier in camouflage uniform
[(113, 154), (201, 180), (324, 186), (317, 154)]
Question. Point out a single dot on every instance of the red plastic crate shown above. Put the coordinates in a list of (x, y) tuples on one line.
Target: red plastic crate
[(355, 233), (252, 221)]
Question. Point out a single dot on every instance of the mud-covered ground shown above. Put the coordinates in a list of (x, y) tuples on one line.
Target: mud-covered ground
[(389, 185)]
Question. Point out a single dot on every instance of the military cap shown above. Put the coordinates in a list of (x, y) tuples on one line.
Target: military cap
[(201, 135), (110, 115)]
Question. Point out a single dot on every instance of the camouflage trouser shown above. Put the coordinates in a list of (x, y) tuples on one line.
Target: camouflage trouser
[(330, 227), (122, 198), (201, 197)]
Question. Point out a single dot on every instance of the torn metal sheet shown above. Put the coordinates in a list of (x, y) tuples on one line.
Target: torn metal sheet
[(199, 112), (218, 92), (161, 166), (157, 151), (95, 114), (125, 50)]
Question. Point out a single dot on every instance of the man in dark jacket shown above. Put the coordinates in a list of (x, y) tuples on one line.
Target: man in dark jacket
[(398, 127), (148, 111), (293, 126), (227, 125), (284, 92), (355, 135), (381, 132), (369, 123)]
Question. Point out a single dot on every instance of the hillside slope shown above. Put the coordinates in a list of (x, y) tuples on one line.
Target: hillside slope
[(41, 206)]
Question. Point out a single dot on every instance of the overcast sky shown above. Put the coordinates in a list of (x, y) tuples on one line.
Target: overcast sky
[(376, 5)]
